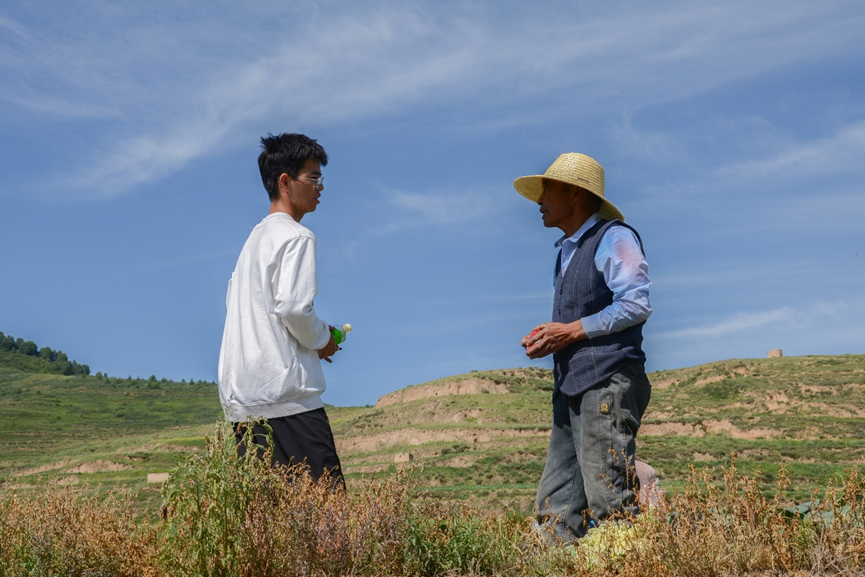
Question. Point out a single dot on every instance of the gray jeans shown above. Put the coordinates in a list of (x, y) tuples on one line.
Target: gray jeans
[(589, 473)]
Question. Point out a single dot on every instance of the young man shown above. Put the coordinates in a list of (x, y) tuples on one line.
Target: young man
[(273, 342), (600, 304)]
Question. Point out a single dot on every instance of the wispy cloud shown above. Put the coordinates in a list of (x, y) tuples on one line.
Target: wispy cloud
[(806, 184), (841, 152), (387, 59), (442, 208), (738, 323)]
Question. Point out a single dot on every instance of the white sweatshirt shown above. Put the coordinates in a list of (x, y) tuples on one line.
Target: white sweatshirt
[(268, 364)]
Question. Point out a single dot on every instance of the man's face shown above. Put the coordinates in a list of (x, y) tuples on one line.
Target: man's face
[(303, 190), (558, 204)]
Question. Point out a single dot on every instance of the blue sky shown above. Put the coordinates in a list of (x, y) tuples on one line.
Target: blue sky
[(732, 134)]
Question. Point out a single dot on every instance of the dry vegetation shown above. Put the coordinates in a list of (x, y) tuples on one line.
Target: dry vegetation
[(779, 488), (224, 516)]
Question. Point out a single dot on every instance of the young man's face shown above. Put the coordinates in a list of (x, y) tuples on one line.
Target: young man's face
[(303, 192)]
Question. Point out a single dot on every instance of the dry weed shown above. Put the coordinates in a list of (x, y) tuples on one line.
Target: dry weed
[(731, 528), (61, 532), (236, 517)]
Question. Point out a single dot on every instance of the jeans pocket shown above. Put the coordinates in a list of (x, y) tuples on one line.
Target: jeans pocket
[(631, 423)]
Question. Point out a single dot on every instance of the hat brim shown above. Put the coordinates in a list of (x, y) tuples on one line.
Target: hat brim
[(532, 187)]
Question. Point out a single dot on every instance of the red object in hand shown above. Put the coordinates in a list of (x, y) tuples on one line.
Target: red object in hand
[(534, 332)]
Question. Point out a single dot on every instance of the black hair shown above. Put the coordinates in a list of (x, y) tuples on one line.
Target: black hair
[(286, 153)]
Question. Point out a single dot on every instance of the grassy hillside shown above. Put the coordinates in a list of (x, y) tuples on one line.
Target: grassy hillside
[(484, 435), (98, 431), (479, 436)]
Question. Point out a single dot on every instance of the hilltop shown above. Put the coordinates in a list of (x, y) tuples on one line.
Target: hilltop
[(481, 435), (29, 357)]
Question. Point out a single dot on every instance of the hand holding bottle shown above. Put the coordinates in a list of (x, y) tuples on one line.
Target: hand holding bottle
[(339, 335)]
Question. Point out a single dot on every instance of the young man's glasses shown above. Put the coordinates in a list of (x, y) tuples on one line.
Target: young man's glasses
[(318, 180)]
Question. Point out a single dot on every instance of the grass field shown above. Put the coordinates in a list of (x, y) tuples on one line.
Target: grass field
[(481, 436), (230, 517)]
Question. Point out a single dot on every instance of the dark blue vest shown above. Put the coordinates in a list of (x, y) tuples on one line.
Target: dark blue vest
[(580, 292)]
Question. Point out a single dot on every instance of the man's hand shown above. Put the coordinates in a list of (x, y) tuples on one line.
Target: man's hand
[(328, 351), (549, 338)]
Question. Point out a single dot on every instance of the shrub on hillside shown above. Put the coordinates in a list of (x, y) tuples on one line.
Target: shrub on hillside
[(61, 532)]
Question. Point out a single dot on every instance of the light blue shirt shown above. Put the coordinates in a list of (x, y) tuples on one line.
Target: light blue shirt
[(626, 273)]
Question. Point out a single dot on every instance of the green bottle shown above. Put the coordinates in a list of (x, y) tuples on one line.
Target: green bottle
[(340, 334)]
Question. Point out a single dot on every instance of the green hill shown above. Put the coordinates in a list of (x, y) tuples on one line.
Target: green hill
[(29, 357), (98, 431), (485, 434), (479, 436)]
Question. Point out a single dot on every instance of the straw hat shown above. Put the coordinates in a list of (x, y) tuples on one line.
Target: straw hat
[(575, 169)]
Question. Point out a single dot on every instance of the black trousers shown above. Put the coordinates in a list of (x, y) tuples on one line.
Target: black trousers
[(302, 438)]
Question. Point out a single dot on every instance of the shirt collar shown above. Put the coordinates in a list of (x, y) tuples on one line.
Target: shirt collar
[(590, 222)]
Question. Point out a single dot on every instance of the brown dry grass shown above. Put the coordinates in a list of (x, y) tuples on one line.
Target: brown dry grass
[(61, 532), (733, 528), (225, 516)]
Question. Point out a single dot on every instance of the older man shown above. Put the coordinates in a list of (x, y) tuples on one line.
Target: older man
[(600, 304)]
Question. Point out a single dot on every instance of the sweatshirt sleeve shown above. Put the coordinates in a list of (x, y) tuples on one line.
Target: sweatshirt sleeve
[(294, 289)]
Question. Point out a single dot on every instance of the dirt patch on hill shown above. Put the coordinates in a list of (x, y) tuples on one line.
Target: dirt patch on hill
[(98, 467), (473, 386), (720, 427), (461, 462), (777, 403), (712, 379), (42, 469), (834, 410), (461, 416), (657, 429), (820, 390), (413, 437), (364, 469), (664, 383), (160, 448)]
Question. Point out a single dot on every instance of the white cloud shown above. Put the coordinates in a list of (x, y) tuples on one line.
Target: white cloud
[(443, 208), (176, 101), (811, 184), (840, 153), (651, 146), (810, 328), (738, 323)]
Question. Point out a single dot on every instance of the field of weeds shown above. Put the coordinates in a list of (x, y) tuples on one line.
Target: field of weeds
[(224, 516)]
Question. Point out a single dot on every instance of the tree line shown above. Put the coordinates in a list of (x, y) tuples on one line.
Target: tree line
[(27, 356)]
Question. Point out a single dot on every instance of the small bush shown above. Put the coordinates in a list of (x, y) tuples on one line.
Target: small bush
[(59, 532)]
